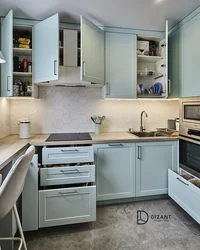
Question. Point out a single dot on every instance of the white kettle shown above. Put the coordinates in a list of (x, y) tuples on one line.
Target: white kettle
[(24, 128)]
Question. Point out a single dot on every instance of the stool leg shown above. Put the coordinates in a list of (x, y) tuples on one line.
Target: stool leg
[(19, 226)]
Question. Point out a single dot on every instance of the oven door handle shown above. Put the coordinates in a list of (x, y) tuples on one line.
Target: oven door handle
[(189, 140)]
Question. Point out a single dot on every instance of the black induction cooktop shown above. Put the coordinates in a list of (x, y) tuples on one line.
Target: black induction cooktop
[(69, 137)]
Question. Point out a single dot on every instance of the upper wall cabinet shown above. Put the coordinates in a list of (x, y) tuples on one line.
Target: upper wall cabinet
[(46, 50), (92, 52), (152, 66), (121, 65), (174, 64), (7, 50)]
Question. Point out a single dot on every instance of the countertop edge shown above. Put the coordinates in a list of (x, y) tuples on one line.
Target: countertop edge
[(15, 145)]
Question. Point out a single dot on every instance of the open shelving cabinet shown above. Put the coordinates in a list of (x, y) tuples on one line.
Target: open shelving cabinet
[(152, 69)]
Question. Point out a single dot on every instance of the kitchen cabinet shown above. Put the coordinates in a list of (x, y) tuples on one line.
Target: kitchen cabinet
[(152, 66), (153, 159), (121, 65), (30, 206), (174, 64), (184, 58), (115, 170), (46, 50), (190, 58), (7, 50), (92, 52), (43, 54)]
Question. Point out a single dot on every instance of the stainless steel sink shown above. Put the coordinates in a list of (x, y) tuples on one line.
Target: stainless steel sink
[(146, 134)]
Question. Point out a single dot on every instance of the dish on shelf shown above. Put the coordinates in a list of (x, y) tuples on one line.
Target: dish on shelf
[(142, 89), (138, 90)]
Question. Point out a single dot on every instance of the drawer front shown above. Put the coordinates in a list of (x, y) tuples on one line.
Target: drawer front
[(185, 194), (67, 175), (67, 206), (67, 155)]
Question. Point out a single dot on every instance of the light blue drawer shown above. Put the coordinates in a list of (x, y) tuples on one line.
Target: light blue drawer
[(67, 206), (63, 155), (67, 175), (184, 193)]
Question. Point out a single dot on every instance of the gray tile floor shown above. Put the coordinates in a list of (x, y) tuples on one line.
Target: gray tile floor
[(116, 229)]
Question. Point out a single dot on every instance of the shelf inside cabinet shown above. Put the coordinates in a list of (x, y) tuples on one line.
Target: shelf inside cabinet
[(151, 96), (154, 76), (22, 73), (149, 59), (22, 52)]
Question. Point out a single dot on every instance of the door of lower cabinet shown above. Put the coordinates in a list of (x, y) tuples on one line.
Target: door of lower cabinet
[(121, 65), (115, 170), (67, 206), (92, 52), (153, 159), (46, 50), (7, 51), (30, 204)]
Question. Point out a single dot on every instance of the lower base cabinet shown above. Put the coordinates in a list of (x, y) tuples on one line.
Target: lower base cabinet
[(153, 159), (67, 206), (115, 170), (185, 193)]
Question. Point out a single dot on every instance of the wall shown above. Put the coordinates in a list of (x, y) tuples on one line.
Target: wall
[(4, 117), (70, 109)]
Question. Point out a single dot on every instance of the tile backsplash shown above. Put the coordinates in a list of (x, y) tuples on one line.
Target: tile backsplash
[(69, 110), (4, 117)]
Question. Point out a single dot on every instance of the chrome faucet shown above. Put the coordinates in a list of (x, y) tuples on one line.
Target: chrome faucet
[(141, 125)]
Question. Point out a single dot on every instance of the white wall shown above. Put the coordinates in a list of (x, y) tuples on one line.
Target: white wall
[(70, 109), (4, 117)]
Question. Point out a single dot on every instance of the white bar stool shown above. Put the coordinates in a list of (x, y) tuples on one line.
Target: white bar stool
[(11, 189)]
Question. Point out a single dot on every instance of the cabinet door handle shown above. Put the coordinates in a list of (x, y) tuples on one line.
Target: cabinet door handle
[(72, 171), (8, 77), (182, 181), (55, 61), (116, 145), (107, 88), (139, 153), (69, 193), (83, 68), (69, 151), (169, 86)]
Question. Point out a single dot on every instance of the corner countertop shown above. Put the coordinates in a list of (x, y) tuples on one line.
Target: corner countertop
[(11, 145)]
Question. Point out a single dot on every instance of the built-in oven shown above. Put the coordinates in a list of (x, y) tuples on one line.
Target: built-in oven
[(189, 147), (189, 155)]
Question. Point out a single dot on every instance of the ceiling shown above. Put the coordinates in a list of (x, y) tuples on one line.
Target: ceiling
[(136, 14)]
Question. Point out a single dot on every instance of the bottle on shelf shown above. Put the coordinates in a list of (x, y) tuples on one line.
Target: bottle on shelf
[(25, 65)]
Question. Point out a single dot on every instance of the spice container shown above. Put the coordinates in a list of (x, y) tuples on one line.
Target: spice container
[(30, 67)]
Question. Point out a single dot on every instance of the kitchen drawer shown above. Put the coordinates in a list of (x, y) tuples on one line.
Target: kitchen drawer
[(186, 194), (67, 206), (62, 155), (67, 175)]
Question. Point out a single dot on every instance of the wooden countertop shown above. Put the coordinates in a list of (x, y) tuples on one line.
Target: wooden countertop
[(11, 145)]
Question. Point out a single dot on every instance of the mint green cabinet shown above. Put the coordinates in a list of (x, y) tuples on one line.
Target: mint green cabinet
[(46, 50), (7, 50), (92, 52), (174, 65), (121, 65), (153, 159), (115, 170)]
